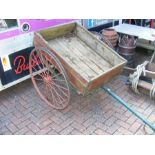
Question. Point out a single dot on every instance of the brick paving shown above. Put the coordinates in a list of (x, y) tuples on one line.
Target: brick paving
[(23, 112)]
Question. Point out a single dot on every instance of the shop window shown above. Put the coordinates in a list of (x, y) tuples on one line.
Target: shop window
[(6, 24)]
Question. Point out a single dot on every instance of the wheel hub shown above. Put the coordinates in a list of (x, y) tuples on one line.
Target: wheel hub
[(47, 79)]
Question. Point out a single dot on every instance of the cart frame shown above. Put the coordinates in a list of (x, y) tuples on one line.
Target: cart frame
[(87, 62)]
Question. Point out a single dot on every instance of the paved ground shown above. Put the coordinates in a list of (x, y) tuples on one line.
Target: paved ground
[(23, 112)]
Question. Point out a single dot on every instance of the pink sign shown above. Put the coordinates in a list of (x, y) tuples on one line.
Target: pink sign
[(34, 25)]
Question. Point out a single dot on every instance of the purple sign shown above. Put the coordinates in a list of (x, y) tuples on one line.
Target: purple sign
[(34, 25)]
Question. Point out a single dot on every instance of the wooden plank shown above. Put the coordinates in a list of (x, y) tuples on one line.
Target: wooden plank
[(89, 53), (78, 50), (104, 78), (99, 47), (54, 32), (93, 44), (74, 57), (92, 70), (56, 46), (69, 56)]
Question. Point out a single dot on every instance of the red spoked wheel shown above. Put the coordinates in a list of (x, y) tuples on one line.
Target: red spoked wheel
[(49, 78)]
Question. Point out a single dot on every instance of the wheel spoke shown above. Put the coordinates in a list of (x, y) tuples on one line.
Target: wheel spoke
[(59, 86), (47, 92), (56, 101), (59, 95), (40, 55), (40, 74), (45, 62), (38, 67), (43, 66), (41, 83), (42, 61), (53, 98), (56, 75), (65, 94), (42, 87), (51, 66), (37, 61), (33, 66), (61, 101), (40, 58), (38, 79)]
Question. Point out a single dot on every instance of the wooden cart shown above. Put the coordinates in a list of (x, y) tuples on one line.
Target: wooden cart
[(70, 54)]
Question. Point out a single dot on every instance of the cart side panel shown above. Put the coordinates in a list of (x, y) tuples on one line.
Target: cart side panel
[(74, 78), (99, 47), (105, 78), (55, 32)]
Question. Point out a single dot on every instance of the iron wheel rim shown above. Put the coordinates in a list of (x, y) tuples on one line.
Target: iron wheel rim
[(55, 89)]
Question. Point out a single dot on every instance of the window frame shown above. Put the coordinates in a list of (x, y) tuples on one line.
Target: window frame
[(12, 29)]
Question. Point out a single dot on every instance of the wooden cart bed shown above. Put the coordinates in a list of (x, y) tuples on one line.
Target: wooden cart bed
[(82, 58), (88, 61)]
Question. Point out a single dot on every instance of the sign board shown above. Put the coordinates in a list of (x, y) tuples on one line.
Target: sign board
[(18, 67)]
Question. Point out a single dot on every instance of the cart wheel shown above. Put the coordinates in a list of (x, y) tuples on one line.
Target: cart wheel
[(49, 78)]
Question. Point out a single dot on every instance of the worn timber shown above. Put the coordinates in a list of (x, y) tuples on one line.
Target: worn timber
[(89, 62)]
